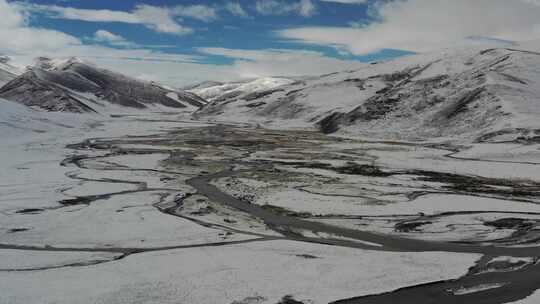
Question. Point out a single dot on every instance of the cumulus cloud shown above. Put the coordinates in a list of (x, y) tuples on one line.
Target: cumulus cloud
[(304, 8), (424, 25)]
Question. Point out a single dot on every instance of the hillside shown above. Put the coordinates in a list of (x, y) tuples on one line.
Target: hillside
[(248, 89), (75, 86), (473, 93)]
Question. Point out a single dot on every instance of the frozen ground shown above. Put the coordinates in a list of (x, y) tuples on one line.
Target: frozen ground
[(153, 207), (266, 270), (20, 260), (59, 249)]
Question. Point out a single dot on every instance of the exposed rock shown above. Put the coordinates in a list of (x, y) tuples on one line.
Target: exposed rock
[(464, 93), (74, 86)]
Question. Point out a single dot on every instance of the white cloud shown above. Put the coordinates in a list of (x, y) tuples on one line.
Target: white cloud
[(159, 19), (199, 12), (10, 16), (281, 62), (236, 9), (33, 39), (424, 25), (103, 35), (91, 15), (23, 43), (112, 39), (305, 8), (15, 36), (347, 1), (271, 7), (255, 55)]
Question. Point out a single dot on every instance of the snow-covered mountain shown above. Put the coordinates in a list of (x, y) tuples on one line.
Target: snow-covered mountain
[(216, 91), (71, 85), (7, 71), (473, 93), (483, 94)]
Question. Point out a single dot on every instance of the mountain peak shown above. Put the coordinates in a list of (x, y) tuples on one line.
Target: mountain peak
[(72, 85), (55, 64)]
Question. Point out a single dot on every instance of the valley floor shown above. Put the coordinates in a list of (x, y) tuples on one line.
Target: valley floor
[(162, 209)]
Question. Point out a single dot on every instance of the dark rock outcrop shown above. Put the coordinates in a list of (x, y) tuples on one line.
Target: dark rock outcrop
[(79, 87)]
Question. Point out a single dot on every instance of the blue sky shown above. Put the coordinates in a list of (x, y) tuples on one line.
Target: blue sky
[(181, 42), (255, 31)]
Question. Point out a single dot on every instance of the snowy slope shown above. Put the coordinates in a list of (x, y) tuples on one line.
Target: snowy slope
[(17, 120), (71, 85), (495, 92), (473, 93), (213, 91)]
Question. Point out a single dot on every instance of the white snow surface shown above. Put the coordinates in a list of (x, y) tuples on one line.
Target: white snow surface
[(259, 84), (32, 146), (17, 119), (27, 260), (298, 201), (428, 105), (269, 270), (33, 143)]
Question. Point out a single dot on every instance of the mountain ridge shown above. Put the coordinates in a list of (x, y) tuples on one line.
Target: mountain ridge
[(463, 93), (73, 85)]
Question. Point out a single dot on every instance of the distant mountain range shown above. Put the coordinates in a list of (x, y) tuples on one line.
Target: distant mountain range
[(71, 85), (470, 93), (217, 91), (473, 94)]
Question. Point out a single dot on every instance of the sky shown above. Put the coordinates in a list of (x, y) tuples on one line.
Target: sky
[(185, 42)]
